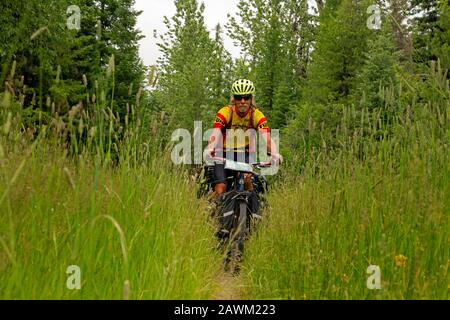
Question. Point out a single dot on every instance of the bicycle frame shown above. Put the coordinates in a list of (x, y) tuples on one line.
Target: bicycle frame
[(241, 212), (240, 169)]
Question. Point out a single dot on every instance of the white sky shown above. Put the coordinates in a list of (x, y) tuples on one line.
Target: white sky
[(152, 19)]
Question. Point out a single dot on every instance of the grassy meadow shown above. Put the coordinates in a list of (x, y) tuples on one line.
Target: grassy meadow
[(381, 202), (136, 230), (324, 232)]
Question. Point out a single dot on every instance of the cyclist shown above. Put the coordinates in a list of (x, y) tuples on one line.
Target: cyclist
[(241, 116)]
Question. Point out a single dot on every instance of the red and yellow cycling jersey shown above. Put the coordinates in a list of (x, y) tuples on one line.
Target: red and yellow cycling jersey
[(228, 118)]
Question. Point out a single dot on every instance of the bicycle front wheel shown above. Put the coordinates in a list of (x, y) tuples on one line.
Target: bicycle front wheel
[(240, 233)]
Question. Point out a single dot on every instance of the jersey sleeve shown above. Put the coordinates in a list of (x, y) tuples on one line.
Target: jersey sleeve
[(260, 121), (222, 118)]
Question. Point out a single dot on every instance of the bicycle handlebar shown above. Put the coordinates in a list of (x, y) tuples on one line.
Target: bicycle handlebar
[(255, 164)]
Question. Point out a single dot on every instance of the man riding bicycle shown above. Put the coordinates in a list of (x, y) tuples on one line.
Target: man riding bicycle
[(234, 136)]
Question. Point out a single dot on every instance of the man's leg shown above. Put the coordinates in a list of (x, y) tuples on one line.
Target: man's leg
[(248, 182), (250, 157), (220, 186)]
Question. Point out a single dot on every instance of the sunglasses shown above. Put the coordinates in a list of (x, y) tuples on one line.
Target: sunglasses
[(245, 97)]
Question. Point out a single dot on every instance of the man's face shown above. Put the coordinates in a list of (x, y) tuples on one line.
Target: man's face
[(243, 103)]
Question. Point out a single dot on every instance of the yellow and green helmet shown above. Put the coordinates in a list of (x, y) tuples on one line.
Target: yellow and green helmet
[(242, 87)]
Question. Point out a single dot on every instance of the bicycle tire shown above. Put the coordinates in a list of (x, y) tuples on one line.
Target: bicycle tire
[(239, 235)]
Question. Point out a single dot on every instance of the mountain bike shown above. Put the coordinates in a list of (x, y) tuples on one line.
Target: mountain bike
[(238, 208)]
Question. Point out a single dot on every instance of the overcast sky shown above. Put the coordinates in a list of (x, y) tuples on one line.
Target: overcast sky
[(152, 18)]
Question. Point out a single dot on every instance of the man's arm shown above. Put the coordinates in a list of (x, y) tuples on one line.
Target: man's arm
[(214, 141), (263, 127), (272, 148)]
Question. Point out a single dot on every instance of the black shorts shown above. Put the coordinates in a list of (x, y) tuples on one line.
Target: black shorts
[(221, 175)]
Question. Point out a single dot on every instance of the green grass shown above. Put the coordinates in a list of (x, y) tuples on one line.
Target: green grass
[(57, 213), (381, 198), (119, 210), (142, 223), (327, 227)]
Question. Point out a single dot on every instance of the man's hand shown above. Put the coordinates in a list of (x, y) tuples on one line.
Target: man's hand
[(277, 158), (208, 154)]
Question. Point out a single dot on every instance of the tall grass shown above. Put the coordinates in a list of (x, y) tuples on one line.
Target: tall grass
[(344, 212), (91, 190), (88, 190), (324, 232), (139, 224)]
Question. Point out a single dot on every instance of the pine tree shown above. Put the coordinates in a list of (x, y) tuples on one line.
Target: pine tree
[(77, 56), (192, 67), (398, 11), (431, 34), (38, 44), (440, 42), (379, 69), (276, 38), (426, 14), (298, 29), (53, 59), (119, 37), (220, 71), (338, 54)]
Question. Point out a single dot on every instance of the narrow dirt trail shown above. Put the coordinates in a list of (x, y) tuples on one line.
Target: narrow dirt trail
[(228, 287)]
